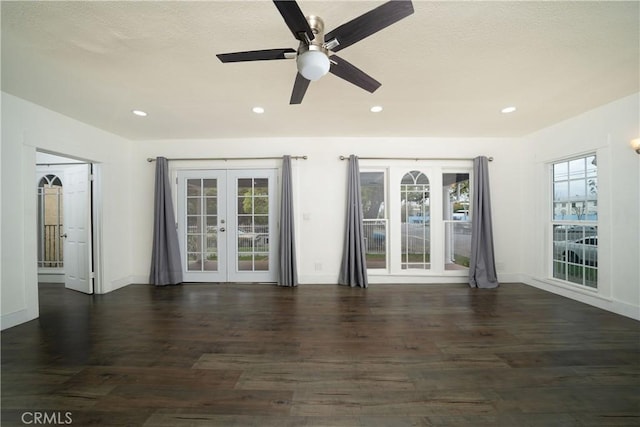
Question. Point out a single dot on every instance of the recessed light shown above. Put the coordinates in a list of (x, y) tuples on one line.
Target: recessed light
[(507, 110), (376, 108), (139, 113), (258, 110)]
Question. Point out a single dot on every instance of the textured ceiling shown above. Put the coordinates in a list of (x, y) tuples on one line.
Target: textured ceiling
[(446, 70)]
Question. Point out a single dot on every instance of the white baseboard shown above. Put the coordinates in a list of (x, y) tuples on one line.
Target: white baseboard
[(120, 283), (609, 304), (141, 280), (509, 278), (16, 318), (416, 280), (50, 278), (310, 279), (406, 279)]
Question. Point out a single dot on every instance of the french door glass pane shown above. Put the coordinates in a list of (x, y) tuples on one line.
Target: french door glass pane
[(193, 224), (194, 187), (210, 187), (202, 230), (211, 263), (211, 205), (193, 206), (253, 224)]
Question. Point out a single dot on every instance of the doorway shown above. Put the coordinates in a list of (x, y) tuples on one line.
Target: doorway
[(65, 222), (226, 225)]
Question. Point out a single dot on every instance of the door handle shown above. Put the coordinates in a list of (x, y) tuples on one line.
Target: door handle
[(221, 229), (63, 236)]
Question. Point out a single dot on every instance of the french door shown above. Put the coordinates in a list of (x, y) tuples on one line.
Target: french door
[(226, 225)]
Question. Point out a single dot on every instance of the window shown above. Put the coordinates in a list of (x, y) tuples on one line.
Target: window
[(417, 218), (415, 221), (50, 254), (375, 218), (574, 221), (457, 219)]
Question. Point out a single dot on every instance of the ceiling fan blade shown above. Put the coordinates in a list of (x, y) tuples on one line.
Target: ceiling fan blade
[(295, 19), (255, 55), (352, 74), (369, 23), (299, 89)]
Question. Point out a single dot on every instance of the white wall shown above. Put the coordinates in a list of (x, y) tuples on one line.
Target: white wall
[(517, 176), (25, 128), (606, 131), (320, 190)]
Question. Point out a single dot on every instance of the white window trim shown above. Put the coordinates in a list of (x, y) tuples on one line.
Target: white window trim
[(550, 222), (394, 171)]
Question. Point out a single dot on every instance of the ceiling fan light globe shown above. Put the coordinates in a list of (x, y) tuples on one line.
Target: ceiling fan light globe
[(312, 64)]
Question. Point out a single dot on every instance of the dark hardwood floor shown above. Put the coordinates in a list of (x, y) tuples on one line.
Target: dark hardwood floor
[(321, 355)]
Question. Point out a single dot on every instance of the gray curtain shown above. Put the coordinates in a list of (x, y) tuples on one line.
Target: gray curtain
[(482, 266), (166, 268), (353, 271), (288, 275)]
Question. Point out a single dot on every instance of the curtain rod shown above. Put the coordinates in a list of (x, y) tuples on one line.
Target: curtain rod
[(61, 164), (150, 159), (412, 158)]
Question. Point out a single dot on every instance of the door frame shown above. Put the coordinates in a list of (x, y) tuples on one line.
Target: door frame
[(231, 246), (95, 211)]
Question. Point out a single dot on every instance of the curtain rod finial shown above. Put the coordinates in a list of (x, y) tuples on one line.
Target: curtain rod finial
[(490, 159), (149, 159)]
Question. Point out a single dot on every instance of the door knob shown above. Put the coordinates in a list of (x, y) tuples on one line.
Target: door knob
[(64, 236), (221, 228)]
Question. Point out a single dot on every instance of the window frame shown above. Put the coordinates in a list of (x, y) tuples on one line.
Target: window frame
[(434, 170), (385, 201), (586, 268)]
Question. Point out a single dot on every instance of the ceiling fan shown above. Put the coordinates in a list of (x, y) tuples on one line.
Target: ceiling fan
[(315, 55)]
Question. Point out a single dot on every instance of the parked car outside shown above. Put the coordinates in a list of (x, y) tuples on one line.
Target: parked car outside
[(461, 215), (581, 251)]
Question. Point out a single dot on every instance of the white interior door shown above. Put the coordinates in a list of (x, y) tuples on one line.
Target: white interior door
[(77, 228), (226, 225)]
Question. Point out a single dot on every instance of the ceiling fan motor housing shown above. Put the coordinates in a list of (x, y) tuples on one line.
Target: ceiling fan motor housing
[(313, 56)]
